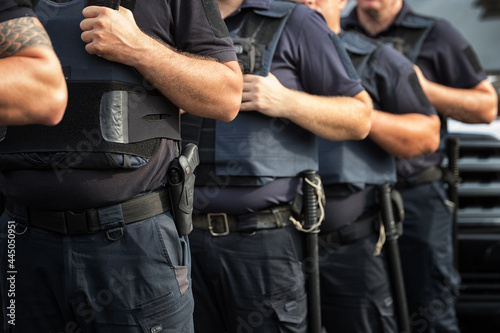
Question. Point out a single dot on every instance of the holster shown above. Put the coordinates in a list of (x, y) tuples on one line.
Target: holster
[(181, 187)]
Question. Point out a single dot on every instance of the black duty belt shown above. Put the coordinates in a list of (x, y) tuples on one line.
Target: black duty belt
[(87, 221), (221, 224), (431, 174), (351, 232)]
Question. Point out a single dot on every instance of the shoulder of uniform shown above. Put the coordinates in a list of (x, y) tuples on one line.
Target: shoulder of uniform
[(277, 9), (414, 20), (356, 43)]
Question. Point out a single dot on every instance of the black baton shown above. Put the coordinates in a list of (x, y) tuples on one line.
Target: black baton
[(453, 152), (310, 200), (393, 258)]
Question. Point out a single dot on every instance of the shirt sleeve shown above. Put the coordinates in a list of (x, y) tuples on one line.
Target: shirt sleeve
[(323, 64), (448, 58), (199, 29), (10, 9), (401, 92)]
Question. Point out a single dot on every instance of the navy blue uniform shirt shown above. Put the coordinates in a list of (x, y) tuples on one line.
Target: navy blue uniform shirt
[(391, 81), (306, 59), (445, 58)]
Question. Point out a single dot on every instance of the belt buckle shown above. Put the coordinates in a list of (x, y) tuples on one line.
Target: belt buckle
[(211, 227)]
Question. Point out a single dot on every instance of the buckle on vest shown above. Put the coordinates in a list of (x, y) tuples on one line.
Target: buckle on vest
[(223, 222)]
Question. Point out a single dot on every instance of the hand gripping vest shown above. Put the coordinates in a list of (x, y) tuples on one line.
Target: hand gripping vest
[(254, 147), (358, 162), (113, 118)]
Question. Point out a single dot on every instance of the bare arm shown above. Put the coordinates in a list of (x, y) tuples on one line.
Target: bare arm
[(476, 105), (405, 135), (32, 86), (330, 117), (197, 85)]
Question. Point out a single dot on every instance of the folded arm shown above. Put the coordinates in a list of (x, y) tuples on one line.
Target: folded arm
[(32, 88), (330, 117), (201, 86), (405, 135), (476, 105)]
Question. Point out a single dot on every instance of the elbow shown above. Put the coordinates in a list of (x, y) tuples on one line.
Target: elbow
[(491, 115), (231, 109), (55, 107), (365, 128), (418, 148), (232, 99), (363, 123), (361, 132)]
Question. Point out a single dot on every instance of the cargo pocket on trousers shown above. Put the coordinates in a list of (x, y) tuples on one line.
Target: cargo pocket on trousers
[(292, 314), (165, 314)]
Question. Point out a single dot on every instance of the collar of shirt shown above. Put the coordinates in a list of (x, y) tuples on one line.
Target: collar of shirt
[(351, 20)]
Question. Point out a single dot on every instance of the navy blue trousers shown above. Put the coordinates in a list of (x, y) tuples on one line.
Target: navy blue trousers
[(426, 248), (249, 282), (88, 283), (356, 292)]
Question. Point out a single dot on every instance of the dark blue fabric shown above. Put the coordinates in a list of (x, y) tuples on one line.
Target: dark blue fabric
[(386, 76), (10, 9), (442, 60), (249, 282), (182, 24), (134, 284), (355, 293), (427, 259)]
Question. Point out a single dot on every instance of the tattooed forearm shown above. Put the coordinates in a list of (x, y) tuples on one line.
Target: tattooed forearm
[(21, 33)]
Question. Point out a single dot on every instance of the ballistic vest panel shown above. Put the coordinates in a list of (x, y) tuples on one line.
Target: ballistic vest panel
[(253, 149), (410, 36), (358, 162), (111, 109)]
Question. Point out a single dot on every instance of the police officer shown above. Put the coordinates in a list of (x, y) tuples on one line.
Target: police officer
[(356, 293), (29, 67), (87, 210), (247, 255), (454, 82)]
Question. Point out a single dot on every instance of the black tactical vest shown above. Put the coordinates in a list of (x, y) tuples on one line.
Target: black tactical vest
[(114, 118)]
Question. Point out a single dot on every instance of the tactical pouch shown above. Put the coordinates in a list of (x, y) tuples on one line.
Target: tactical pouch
[(181, 187), (247, 54)]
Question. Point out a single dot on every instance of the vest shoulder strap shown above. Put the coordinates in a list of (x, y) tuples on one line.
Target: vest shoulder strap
[(360, 49), (410, 37), (255, 40)]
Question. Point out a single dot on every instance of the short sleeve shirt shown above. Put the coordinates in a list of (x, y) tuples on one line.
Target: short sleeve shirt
[(309, 58), (10, 9), (306, 57), (445, 58)]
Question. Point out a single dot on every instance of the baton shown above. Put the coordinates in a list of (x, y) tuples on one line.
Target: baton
[(393, 258), (310, 200), (453, 152)]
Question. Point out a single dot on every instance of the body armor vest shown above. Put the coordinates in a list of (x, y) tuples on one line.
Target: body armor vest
[(113, 117), (253, 149), (409, 37), (358, 162)]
